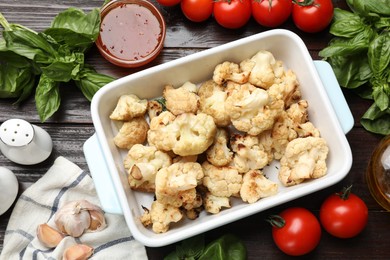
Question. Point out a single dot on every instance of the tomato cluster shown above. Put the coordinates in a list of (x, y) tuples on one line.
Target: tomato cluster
[(296, 231), (308, 15)]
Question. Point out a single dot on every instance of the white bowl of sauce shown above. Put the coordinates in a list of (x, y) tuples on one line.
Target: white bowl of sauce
[(132, 32)]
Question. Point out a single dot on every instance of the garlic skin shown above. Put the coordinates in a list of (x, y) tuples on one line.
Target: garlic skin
[(77, 217), (78, 252), (48, 236)]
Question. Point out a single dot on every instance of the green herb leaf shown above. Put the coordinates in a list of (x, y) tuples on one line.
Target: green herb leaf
[(228, 247), (376, 121), (379, 53), (191, 248), (47, 97), (346, 24)]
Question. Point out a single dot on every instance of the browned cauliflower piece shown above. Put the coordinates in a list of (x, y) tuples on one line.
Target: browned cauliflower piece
[(142, 163), (229, 71), (132, 132), (256, 186), (287, 89), (160, 216), (212, 99), (221, 181), (175, 184), (250, 108), (304, 158), (181, 100), (219, 154), (128, 107), (213, 204), (193, 209), (154, 108), (264, 69), (190, 158), (185, 135), (249, 154)]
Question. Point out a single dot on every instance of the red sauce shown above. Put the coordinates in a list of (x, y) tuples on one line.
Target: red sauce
[(130, 32)]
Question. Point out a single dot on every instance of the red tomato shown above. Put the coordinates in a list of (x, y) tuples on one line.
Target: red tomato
[(168, 2), (197, 10), (232, 14), (271, 13), (343, 215), (299, 234), (312, 15)]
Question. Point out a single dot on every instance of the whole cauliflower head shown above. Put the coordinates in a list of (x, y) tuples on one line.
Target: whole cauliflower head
[(181, 100), (250, 108), (142, 163), (219, 154), (304, 158), (212, 99), (160, 216), (128, 107), (132, 132), (249, 154), (187, 134), (175, 184), (213, 204), (256, 186), (264, 69), (221, 181), (229, 71)]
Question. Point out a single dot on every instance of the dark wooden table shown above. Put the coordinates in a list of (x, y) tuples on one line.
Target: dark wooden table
[(71, 126)]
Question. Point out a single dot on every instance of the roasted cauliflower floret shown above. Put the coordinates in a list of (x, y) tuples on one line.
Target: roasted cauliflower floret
[(282, 133), (128, 107), (181, 100), (304, 158), (187, 134), (219, 154), (160, 216), (212, 99), (154, 108), (142, 163), (213, 204), (221, 181), (249, 154), (175, 184), (256, 186), (264, 69), (229, 71), (287, 89), (132, 132), (250, 108)]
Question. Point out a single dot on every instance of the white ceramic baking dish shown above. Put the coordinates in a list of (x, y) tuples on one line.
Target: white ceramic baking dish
[(328, 111)]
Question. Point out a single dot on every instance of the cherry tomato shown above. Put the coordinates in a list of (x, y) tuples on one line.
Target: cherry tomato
[(296, 231), (312, 15), (343, 215), (232, 14), (197, 10), (168, 2), (271, 13)]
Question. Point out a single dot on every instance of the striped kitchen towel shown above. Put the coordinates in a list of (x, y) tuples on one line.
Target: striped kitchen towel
[(64, 182)]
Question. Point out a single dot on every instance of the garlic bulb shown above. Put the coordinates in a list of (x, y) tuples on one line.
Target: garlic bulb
[(48, 236), (77, 217), (78, 252)]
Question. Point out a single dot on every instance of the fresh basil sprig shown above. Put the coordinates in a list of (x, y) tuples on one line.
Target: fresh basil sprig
[(360, 57), (55, 55)]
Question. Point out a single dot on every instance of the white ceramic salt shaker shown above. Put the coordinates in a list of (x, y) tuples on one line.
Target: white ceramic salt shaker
[(9, 187), (24, 143)]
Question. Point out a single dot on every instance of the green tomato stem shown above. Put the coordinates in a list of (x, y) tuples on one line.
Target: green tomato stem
[(276, 221)]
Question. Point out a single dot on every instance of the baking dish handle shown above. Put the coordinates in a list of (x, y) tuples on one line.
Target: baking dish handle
[(335, 95), (101, 177)]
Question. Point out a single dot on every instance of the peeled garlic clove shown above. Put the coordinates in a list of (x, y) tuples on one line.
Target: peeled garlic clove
[(48, 236), (98, 222), (78, 252)]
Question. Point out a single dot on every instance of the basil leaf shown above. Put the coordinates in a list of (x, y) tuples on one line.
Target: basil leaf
[(365, 7), (379, 53), (89, 81), (190, 248), (47, 97), (380, 96), (376, 121), (346, 24), (382, 23), (228, 247)]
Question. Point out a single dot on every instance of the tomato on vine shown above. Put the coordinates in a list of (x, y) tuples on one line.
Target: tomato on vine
[(232, 14), (344, 214), (296, 231), (312, 15), (271, 13), (197, 10)]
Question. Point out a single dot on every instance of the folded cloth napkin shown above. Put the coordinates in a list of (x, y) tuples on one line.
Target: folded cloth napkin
[(64, 182)]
